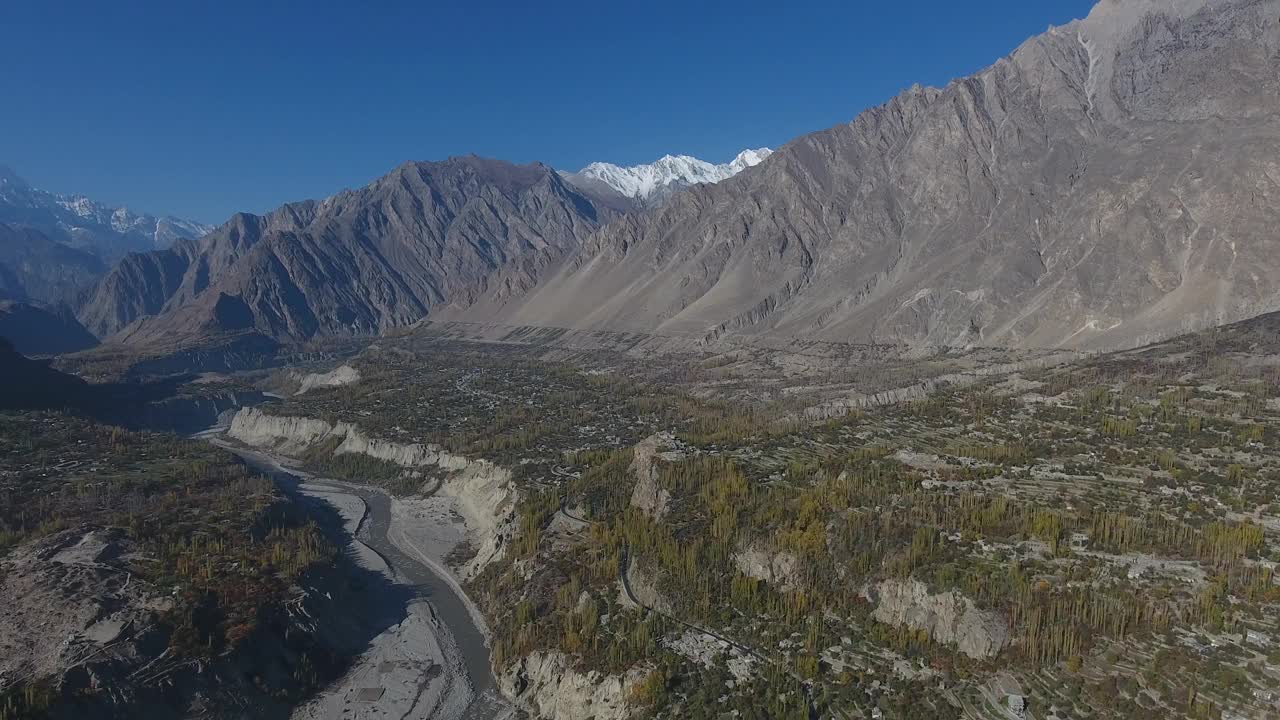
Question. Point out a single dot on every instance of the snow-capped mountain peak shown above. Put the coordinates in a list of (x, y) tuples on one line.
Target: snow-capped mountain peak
[(748, 158), (75, 220), (668, 173)]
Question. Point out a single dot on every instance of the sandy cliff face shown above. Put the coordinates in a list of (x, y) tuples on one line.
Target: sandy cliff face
[(648, 496), (547, 684), (483, 491), (780, 569), (948, 617), (339, 376)]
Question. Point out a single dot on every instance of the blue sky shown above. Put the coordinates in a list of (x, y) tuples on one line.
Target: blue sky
[(201, 109)]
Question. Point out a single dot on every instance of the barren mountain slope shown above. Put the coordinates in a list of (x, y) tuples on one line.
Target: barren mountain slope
[(1112, 181), (359, 262), (35, 267), (144, 284)]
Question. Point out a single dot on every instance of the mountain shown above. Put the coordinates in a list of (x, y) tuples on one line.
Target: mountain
[(143, 284), (1111, 182), (36, 268), (360, 262), (76, 221), (651, 184), (34, 330)]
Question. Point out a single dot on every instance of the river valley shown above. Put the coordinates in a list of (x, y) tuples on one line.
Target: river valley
[(430, 657)]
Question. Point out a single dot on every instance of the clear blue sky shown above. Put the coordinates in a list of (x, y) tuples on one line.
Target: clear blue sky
[(200, 109)]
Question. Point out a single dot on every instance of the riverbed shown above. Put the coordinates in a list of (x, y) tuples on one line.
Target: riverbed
[(432, 659)]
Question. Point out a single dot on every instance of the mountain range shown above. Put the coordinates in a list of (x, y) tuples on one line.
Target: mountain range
[(653, 183), (360, 262), (76, 221), (1110, 182), (34, 267), (52, 246), (429, 233)]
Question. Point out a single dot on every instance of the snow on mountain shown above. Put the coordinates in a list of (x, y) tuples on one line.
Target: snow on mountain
[(671, 172), (75, 220)]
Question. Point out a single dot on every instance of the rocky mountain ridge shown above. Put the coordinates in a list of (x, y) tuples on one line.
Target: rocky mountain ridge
[(1111, 182), (360, 262)]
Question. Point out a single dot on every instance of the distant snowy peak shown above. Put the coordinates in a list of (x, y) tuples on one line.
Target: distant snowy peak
[(645, 182), (748, 158), (108, 232)]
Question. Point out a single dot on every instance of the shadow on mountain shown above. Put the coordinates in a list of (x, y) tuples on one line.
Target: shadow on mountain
[(158, 404), (295, 650), (35, 330)]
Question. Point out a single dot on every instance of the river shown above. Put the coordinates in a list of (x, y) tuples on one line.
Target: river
[(452, 616)]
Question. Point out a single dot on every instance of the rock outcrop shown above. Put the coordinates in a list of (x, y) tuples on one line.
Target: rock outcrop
[(76, 619), (337, 377), (648, 496), (948, 617), (779, 569), (547, 685)]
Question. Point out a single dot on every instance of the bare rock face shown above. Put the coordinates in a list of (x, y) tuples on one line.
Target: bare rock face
[(547, 685), (1109, 183), (70, 598), (779, 569), (338, 377), (360, 262), (1112, 181), (144, 284), (648, 496), (52, 247), (949, 617), (35, 267)]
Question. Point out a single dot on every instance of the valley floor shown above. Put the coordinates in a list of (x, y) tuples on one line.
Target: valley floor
[(432, 660), (1075, 537)]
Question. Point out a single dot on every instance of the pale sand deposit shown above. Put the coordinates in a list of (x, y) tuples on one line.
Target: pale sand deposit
[(433, 661)]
